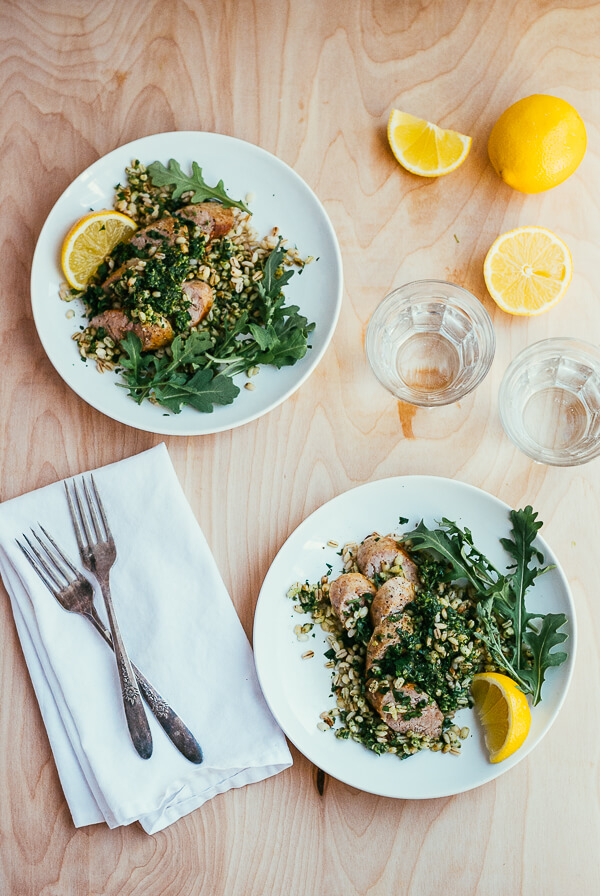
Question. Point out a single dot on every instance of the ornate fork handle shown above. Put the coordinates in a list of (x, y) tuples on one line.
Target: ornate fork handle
[(173, 726), (132, 701)]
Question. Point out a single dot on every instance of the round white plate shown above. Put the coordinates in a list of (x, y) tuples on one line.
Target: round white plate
[(282, 199), (298, 690)]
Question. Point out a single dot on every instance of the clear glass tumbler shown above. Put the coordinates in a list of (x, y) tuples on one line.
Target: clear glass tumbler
[(549, 401), (430, 343)]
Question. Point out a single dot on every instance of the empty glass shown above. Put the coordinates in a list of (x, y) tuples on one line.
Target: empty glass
[(430, 342), (549, 401)]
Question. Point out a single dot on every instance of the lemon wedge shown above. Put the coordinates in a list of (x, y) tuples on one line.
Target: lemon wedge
[(503, 711), (425, 148), (88, 243), (528, 270)]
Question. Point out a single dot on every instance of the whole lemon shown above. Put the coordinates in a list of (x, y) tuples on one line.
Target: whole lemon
[(537, 143)]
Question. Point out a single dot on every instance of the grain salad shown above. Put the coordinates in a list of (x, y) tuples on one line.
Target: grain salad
[(403, 647), (194, 297)]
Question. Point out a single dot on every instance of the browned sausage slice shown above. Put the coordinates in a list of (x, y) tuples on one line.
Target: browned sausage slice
[(379, 549), (153, 336), (155, 234), (211, 217), (392, 597), (347, 593), (201, 299), (409, 567), (385, 635), (120, 272), (429, 722), (117, 324)]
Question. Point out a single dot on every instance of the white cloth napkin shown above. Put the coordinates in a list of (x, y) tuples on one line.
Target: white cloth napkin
[(180, 629)]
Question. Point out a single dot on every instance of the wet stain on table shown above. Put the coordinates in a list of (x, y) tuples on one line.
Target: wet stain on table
[(406, 413)]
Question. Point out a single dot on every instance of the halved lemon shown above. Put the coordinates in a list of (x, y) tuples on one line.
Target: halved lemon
[(425, 148), (503, 711), (88, 243), (528, 270)]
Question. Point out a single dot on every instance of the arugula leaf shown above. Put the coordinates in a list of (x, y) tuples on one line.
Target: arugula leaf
[(271, 286), (456, 547), (512, 603), (518, 641), (168, 380), (541, 641), (288, 349), (173, 175), (265, 337), (202, 391), (138, 367), (494, 643), (192, 349)]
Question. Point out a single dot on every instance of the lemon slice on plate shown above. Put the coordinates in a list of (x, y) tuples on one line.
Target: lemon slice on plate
[(503, 711), (425, 148), (528, 270), (88, 243)]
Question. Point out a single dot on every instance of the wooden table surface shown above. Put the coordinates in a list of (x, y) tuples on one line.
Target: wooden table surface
[(313, 83)]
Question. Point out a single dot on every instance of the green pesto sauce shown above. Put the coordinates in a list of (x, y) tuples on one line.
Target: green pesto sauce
[(415, 659), (157, 289)]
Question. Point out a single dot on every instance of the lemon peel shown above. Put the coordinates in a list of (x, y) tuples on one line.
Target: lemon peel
[(89, 241), (503, 711)]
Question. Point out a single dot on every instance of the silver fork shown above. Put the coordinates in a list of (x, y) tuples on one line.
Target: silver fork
[(76, 594), (98, 555)]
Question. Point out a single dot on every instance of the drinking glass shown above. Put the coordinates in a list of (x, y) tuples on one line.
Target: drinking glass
[(430, 343), (549, 401)]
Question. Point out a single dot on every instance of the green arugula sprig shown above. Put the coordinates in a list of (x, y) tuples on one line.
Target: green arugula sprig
[(200, 368), (529, 651), (169, 380), (173, 175), (281, 336)]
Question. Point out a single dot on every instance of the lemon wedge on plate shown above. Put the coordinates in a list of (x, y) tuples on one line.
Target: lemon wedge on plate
[(88, 243), (528, 270), (425, 148), (503, 711)]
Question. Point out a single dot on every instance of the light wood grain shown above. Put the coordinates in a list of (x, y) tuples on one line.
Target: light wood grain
[(314, 83)]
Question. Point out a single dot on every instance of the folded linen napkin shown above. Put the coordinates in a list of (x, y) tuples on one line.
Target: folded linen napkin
[(179, 627)]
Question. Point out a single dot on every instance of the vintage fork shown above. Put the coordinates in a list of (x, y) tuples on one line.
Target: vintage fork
[(98, 555), (76, 594)]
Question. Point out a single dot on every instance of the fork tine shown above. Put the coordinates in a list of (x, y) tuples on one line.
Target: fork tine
[(84, 519), (62, 561), (53, 561), (40, 571), (100, 507), (75, 520), (92, 508), (51, 571)]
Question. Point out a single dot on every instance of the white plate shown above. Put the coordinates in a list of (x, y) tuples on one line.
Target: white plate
[(282, 199), (298, 690)]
